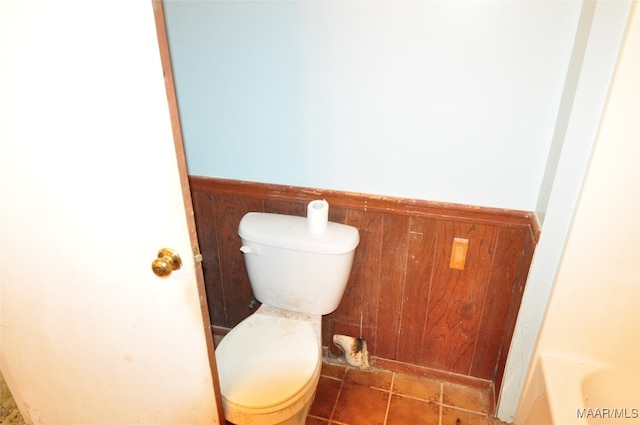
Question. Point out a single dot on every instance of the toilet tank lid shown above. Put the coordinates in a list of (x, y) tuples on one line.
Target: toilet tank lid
[(290, 232)]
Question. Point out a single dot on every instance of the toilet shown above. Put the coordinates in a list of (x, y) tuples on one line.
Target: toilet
[(269, 364)]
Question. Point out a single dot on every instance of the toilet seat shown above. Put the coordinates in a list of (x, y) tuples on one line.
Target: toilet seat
[(267, 361)]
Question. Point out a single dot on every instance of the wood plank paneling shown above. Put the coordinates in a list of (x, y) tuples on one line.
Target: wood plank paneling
[(402, 297), (456, 298), (356, 314), (507, 259), (228, 210), (366, 202), (204, 217), (392, 267), (514, 307), (423, 237)]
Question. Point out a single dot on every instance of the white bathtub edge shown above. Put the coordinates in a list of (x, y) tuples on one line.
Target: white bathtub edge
[(563, 377)]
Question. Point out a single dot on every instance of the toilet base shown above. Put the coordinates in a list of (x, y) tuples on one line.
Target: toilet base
[(291, 411), (299, 418)]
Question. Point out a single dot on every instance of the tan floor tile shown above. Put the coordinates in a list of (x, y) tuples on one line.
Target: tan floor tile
[(452, 416), (316, 421), (361, 405), (326, 396), (372, 378), (417, 386), (409, 411), (470, 398), (333, 370)]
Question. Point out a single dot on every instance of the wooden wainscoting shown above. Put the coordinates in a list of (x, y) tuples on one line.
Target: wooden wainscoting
[(415, 312)]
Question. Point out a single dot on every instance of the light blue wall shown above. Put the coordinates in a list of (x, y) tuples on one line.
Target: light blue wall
[(445, 101)]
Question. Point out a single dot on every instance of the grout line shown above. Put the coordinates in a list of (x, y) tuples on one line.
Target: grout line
[(424, 400), (335, 403), (331, 377), (466, 410), (386, 412)]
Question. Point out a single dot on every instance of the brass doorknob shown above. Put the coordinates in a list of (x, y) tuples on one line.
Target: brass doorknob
[(168, 260)]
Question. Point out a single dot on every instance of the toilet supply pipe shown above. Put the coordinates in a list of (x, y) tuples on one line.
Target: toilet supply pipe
[(355, 350)]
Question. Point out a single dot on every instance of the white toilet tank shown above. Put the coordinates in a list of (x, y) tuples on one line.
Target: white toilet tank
[(293, 269)]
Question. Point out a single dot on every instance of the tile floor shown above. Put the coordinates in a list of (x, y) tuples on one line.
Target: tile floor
[(9, 413), (349, 396)]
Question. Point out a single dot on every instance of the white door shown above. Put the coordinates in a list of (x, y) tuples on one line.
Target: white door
[(90, 192)]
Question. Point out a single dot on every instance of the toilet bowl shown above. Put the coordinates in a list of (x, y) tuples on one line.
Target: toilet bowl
[(269, 364), (269, 367)]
